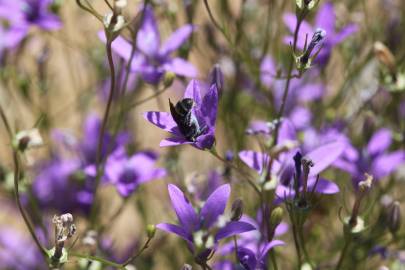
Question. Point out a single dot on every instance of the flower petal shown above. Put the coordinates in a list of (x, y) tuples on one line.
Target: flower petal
[(324, 156), (326, 18), (215, 205), (269, 246), (193, 91), (233, 228), (323, 186), (247, 258), (385, 164), (184, 210), (254, 160), (162, 120), (148, 38), (181, 67), (171, 228), (177, 39), (379, 142)]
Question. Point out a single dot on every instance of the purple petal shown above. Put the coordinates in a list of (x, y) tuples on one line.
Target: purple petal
[(215, 205), (271, 245), (247, 258), (323, 186), (233, 228), (344, 33), (209, 106), (171, 228), (148, 38), (181, 67), (49, 22), (324, 156), (287, 132), (267, 71), (301, 117), (379, 142), (177, 39), (385, 164), (174, 141), (326, 18), (305, 30), (162, 120), (281, 229), (193, 91), (254, 160), (205, 141), (184, 210)]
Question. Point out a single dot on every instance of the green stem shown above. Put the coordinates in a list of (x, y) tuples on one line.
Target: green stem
[(273, 260), (343, 254), (98, 259), (145, 246), (103, 129)]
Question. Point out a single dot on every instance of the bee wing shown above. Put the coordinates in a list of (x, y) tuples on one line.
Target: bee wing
[(173, 112)]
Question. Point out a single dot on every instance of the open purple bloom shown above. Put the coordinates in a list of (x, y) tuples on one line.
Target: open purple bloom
[(152, 59), (251, 260), (203, 229), (204, 113), (283, 168), (373, 159), (20, 15), (127, 173), (325, 19)]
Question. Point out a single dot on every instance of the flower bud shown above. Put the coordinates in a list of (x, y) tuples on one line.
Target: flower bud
[(385, 56), (276, 217), (168, 79), (306, 4), (237, 210), (216, 77), (394, 217), (151, 230), (27, 139)]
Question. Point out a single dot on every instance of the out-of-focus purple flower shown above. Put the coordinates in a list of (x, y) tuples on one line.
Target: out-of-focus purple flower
[(127, 173), (152, 58), (300, 92), (60, 185), (252, 246), (20, 15), (283, 168), (325, 19), (18, 252), (204, 112), (204, 229), (373, 159)]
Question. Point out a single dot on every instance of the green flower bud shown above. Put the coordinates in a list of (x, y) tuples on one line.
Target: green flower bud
[(394, 217), (276, 217), (151, 230), (168, 79)]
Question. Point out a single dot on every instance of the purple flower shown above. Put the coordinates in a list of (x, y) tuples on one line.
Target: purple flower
[(18, 252), (373, 159), (325, 19), (127, 173), (283, 168), (256, 260), (203, 229), (204, 113), (21, 15), (152, 58)]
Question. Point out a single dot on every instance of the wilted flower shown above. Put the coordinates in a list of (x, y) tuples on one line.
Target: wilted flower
[(203, 230), (195, 122)]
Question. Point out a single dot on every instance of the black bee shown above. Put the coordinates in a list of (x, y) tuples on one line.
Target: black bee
[(185, 119)]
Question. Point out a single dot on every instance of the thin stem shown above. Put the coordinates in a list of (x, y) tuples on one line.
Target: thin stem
[(17, 172), (251, 183), (235, 243), (145, 246), (98, 259), (156, 94), (343, 254), (103, 127), (216, 24), (273, 260)]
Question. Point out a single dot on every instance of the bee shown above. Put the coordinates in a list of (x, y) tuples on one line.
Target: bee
[(185, 119)]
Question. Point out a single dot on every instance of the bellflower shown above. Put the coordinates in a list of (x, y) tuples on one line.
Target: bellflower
[(325, 19), (18, 252), (202, 115), (152, 58), (373, 159), (203, 229), (20, 15), (127, 173), (302, 91), (283, 168)]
